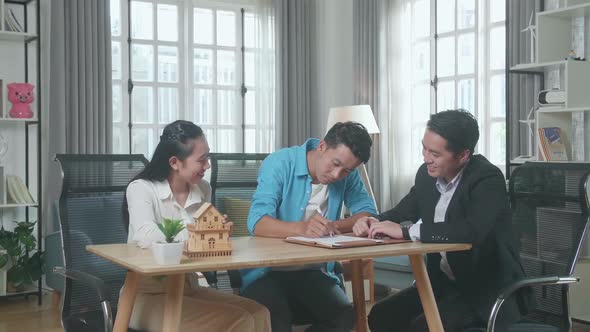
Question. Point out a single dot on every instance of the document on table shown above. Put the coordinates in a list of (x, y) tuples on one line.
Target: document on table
[(337, 241)]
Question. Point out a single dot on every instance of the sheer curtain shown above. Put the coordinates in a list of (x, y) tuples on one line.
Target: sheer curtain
[(264, 59), (383, 79)]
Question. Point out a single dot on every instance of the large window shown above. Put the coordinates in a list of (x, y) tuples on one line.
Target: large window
[(185, 59), (458, 62)]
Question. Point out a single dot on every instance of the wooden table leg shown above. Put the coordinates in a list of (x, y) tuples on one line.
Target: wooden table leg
[(173, 302), (426, 294), (126, 301), (358, 295)]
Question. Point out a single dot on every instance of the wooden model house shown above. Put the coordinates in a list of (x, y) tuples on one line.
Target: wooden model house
[(208, 235)]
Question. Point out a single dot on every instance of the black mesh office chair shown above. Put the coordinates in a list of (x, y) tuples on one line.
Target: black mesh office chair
[(550, 213), (234, 177), (90, 210)]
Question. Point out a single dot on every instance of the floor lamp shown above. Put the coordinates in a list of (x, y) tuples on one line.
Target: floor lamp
[(363, 115)]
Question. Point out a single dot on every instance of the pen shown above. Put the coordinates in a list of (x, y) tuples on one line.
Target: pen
[(331, 232)]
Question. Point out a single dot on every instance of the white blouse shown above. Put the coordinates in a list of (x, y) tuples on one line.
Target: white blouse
[(150, 202)]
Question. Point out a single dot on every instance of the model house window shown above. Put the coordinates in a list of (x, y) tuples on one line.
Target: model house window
[(458, 60), (185, 59)]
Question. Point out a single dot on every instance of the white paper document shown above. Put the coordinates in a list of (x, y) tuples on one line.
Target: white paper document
[(332, 240)]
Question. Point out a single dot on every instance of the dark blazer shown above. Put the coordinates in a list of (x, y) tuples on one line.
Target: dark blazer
[(478, 214)]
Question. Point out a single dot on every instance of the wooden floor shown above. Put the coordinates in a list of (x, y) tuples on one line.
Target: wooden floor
[(18, 314), (24, 315)]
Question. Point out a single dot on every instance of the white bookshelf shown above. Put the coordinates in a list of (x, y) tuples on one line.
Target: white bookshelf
[(19, 55), (554, 40)]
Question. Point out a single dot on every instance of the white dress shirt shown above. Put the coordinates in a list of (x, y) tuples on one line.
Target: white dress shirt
[(150, 202), (447, 190)]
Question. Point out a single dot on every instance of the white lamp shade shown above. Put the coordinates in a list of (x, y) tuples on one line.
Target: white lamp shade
[(357, 113)]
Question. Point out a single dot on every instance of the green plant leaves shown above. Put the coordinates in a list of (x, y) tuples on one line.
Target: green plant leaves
[(170, 228), (18, 244)]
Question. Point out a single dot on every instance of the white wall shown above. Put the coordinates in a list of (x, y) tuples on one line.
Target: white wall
[(334, 59)]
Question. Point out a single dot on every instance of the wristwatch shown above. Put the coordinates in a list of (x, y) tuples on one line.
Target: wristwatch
[(406, 230)]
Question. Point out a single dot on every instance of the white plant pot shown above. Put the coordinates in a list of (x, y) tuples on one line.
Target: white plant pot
[(167, 253)]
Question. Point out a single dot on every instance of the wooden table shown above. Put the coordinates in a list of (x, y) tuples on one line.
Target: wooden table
[(250, 252)]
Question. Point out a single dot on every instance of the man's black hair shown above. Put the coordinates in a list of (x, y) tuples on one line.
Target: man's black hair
[(458, 127), (354, 136)]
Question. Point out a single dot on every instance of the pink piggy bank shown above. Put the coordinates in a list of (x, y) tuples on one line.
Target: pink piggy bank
[(21, 96)]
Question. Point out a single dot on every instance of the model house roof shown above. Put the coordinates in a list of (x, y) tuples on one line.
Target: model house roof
[(204, 208)]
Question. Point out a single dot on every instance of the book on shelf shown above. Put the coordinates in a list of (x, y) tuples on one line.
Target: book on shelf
[(551, 145), (1, 98), (2, 186), (17, 191), (11, 22)]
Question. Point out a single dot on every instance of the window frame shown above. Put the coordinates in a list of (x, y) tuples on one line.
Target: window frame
[(482, 74), (123, 130)]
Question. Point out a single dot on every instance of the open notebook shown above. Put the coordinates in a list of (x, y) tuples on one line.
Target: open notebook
[(340, 241)]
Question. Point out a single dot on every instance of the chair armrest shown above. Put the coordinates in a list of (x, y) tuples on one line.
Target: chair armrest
[(89, 280), (508, 291), (211, 277)]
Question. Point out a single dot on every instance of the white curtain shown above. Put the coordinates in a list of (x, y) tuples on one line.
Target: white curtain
[(388, 91), (264, 59)]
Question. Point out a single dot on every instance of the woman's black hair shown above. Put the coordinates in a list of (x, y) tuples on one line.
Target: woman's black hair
[(174, 142)]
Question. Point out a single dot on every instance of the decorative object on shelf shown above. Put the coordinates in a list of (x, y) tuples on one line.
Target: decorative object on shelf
[(208, 236), (571, 55), (530, 122), (21, 96), (552, 96), (24, 268), (533, 36), (169, 252)]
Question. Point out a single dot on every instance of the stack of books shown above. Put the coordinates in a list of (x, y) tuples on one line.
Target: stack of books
[(551, 145), (11, 23), (17, 191)]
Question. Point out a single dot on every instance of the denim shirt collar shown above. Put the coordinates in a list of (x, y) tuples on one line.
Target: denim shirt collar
[(301, 162)]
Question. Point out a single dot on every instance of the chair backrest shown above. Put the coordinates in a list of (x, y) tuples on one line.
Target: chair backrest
[(550, 215), (234, 177), (90, 208)]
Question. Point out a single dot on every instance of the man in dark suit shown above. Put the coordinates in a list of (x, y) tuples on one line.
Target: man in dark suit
[(458, 197)]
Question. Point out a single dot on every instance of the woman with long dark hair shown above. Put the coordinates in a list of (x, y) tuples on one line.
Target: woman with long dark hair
[(172, 186)]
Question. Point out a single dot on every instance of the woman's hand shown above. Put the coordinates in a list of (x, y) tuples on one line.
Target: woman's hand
[(361, 227), (387, 228)]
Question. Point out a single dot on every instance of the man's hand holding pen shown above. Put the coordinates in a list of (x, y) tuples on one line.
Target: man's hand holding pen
[(317, 226)]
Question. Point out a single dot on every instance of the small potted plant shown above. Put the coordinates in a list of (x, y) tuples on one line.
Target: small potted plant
[(169, 252)]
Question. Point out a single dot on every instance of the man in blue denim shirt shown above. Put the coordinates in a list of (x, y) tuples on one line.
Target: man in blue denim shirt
[(300, 192)]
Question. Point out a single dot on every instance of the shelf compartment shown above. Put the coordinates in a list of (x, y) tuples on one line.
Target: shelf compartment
[(554, 31), (564, 119)]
